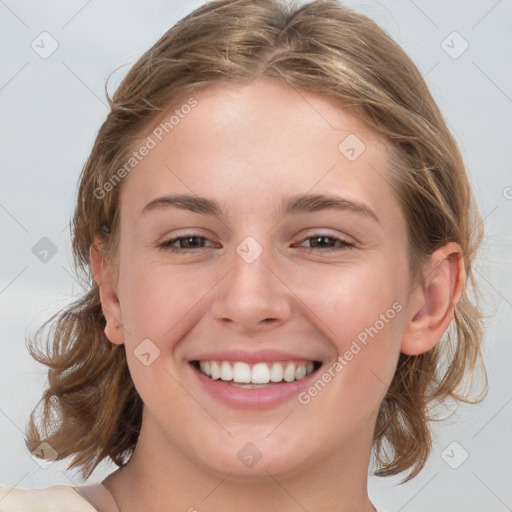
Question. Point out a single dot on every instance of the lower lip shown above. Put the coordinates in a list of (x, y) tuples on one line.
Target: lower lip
[(259, 398)]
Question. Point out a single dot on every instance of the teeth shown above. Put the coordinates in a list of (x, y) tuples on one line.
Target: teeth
[(241, 372), (259, 373), (276, 372), (300, 372), (226, 372), (206, 368), (289, 372), (215, 370)]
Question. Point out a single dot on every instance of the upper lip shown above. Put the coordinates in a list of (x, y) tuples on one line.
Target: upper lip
[(256, 356)]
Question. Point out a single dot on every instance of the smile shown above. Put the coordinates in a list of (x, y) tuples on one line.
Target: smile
[(257, 375)]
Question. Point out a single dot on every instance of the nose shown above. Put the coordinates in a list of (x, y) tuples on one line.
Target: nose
[(252, 296)]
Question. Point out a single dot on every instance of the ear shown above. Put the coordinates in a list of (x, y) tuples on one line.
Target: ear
[(434, 299), (109, 299)]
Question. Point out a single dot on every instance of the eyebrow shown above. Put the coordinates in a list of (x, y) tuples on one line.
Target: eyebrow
[(308, 203)]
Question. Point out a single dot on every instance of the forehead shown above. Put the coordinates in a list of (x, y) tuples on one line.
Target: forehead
[(258, 141)]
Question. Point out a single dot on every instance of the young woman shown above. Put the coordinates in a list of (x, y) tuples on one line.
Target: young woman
[(279, 232)]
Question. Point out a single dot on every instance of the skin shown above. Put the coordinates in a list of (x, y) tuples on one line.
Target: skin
[(247, 146)]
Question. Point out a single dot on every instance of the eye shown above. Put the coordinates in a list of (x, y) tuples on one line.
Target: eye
[(327, 243), (186, 243), (192, 242)]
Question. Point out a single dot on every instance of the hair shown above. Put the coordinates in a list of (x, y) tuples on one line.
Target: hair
[(91, 409)]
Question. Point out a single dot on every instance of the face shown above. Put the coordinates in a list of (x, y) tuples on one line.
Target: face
[(283, 274)]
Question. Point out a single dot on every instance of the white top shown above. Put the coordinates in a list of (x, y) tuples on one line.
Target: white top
[(59, 498)]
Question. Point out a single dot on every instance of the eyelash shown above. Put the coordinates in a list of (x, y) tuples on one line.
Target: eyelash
[(167, 245)]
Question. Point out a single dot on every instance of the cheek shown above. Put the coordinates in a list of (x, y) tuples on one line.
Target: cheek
[(361, 314), (353, 300), (160, 302)]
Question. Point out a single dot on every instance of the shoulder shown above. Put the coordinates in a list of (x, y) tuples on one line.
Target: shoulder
[(56, 498)]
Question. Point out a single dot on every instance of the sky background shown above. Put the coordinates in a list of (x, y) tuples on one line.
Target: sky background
[(51, 107)]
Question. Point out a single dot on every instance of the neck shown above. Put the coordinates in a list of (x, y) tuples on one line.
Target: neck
[(158, 480)]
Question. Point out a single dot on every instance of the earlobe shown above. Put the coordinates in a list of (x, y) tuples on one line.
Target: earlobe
[(434, 299), (108, 296)]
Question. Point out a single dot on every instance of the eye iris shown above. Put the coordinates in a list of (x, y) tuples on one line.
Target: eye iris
[(186, 241), (315, 240), (325, 242)]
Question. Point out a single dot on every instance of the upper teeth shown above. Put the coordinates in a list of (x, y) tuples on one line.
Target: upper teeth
[(260, 373)]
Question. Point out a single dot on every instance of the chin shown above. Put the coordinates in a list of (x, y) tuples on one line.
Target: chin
[(247, 460)]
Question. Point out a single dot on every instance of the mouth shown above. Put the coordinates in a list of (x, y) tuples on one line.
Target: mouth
[(256, 376)]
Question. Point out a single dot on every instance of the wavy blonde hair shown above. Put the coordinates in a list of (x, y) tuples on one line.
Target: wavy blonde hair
[(91, 409)]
